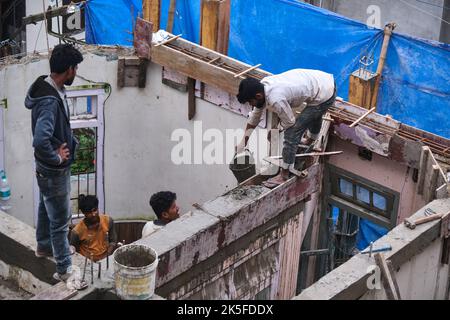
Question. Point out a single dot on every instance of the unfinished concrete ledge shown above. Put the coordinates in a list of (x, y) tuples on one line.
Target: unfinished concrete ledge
[(349, 281), (199, 234)]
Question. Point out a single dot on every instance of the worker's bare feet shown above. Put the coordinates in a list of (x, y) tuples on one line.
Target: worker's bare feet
[(275, 181)]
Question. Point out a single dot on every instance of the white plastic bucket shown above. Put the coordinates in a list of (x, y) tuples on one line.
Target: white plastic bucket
[(135, 271)]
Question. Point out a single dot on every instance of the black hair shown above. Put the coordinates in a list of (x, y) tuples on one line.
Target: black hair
[(161, 201), (248, 88), (87, 203), (63, 57)]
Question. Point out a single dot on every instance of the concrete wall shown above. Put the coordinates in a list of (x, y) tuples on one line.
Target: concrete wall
[(413, 17), (415, 257), (139, 124), (380, 170), (423, 277)]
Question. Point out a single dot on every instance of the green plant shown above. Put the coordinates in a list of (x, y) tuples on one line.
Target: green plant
[(85, 154)]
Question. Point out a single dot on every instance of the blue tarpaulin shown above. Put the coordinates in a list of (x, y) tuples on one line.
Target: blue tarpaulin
[(367, 231), (111, 22), (286, 34)]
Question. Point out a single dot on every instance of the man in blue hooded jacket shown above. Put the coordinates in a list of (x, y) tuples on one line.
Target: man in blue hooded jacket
[(54, 148)]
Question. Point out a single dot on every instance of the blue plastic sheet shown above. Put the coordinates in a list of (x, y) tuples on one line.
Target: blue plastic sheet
[(287, 34), (111, 22), (368, 231), (186, 19)]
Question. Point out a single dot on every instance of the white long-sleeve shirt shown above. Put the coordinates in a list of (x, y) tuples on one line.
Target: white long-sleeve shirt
[(289, 90)]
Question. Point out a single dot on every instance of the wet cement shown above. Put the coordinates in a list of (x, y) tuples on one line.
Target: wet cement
[(135, 257), (246, 192)]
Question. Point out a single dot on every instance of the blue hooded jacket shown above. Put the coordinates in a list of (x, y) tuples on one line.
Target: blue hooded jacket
[(50, 124)]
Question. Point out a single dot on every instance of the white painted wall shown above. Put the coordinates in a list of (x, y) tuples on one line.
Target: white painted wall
[(139, 124)]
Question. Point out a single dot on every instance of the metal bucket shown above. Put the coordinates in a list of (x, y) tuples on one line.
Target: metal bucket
[(243, 166), (135, 271)]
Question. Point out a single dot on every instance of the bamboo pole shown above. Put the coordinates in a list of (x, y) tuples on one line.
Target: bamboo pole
[(388, 29)]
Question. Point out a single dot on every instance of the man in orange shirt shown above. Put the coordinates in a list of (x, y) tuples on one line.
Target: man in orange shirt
[(93, 237)]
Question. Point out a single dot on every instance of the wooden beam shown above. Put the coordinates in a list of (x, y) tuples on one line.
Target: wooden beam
[(151, 12), (362, 117), (430, 193), (172, 6), (361, 87), (215, 25), (195, 68), (191, 98), (388, 278), (57, 292), (121, 73), (61, 11), (423, 164)]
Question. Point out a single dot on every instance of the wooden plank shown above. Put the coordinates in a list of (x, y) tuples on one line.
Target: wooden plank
[(191, 98), (209, 24), (121, 73), (362, 84), (151, 12), (388, 278), (208, 54), (131, 61), (430, 193), (57, 292), (422, 169), (215, 25), (172, 6), (195, 68), (224, 26), (142, 73)]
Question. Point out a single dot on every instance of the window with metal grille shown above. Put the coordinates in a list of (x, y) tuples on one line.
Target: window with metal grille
[(86, 118)]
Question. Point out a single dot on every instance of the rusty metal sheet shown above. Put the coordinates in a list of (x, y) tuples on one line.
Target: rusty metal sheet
[(143, 38), (405, 151)]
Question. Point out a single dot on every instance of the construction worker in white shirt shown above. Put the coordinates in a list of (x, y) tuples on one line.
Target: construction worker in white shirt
[(311, 91)]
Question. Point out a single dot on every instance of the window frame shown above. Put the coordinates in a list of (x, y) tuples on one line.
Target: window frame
[(386, 218)]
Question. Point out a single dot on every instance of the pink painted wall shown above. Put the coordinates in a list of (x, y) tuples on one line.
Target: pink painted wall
[(388, 173)]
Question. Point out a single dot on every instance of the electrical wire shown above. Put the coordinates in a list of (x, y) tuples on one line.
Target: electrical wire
[(426, 12), (434, 5)]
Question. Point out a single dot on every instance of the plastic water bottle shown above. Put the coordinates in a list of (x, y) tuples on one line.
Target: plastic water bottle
[(5, 192)]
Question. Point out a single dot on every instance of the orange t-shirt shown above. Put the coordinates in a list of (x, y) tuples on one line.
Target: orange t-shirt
[(93, 240)]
